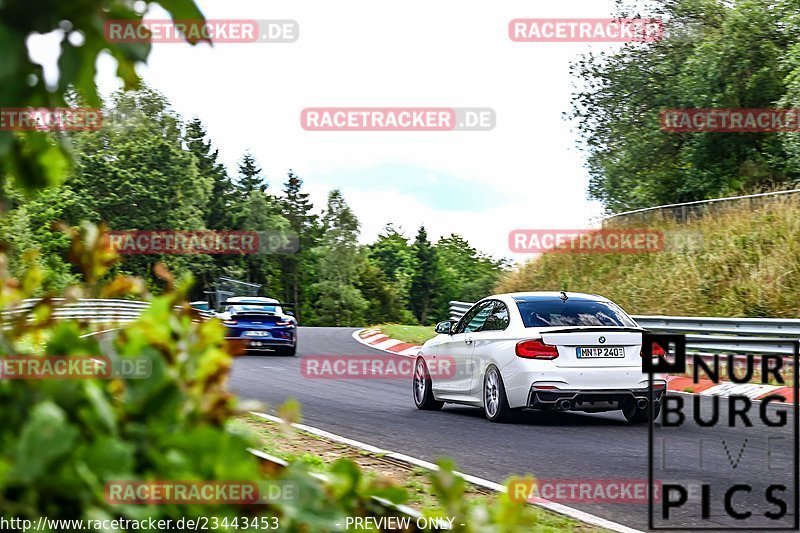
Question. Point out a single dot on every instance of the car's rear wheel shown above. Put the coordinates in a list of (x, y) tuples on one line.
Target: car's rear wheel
[(635, 415), (495, 402), (423, 388)]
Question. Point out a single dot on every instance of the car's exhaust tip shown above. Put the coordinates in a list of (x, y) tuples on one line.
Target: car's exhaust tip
[(641, 403), (564, 405)]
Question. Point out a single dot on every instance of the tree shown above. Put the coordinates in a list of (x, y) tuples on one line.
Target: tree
[(296, 208), (716, 55), (38, 159), (262, 215), (337, 304), (394, 255), (383, 302), (224, 210), (136, 174), (221, 209), (250, 178), (465, 273), (340, 229), (336, 300), (426, 276)]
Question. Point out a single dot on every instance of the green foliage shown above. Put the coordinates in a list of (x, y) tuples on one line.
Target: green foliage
[(393, 254), (63, 440), (298, 270), (384, 303), (36, 159), (250, 179), (717, 54), (465, 273), (425, 282)]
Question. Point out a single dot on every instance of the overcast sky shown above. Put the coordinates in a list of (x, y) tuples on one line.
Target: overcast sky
[(526, 173)]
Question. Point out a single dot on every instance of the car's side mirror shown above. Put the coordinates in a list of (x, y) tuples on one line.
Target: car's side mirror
[(444, 328)]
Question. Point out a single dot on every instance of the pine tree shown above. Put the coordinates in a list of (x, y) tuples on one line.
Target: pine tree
[(221, 210), (250, 178), (424, 281), (296, 208)]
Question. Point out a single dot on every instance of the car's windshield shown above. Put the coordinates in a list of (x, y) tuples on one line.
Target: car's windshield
[(546, 313), (234, 309)]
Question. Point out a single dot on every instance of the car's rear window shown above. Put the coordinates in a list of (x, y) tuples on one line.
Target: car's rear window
[(259, 308), (546, 313)]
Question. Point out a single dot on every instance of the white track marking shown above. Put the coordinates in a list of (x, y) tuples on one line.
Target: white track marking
[(546, 504)]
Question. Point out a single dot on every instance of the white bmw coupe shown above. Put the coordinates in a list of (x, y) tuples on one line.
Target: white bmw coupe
[(539, 350)]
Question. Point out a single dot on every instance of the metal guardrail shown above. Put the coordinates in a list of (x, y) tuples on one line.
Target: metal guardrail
[(96, 311), (457, 309), (682, 211), (722, 335)]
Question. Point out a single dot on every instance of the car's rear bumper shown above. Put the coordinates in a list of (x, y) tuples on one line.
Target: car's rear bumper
[(589, 400), (256, 343), (521, 376)]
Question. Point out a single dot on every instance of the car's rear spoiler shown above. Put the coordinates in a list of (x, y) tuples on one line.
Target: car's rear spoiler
[(596, 328), (255, 302)]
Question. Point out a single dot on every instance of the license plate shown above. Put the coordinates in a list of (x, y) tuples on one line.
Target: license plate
[(603, 352), (256, 333)]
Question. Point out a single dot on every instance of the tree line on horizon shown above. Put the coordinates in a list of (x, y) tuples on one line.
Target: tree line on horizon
[(147, 169)]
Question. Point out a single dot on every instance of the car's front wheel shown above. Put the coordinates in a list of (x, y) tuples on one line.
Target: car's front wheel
[(495, 402), (635, 415), (423, 388)]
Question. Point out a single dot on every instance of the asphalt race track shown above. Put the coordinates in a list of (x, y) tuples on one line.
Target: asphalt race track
[(552, 446)]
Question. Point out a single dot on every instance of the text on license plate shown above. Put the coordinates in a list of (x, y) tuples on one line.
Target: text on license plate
[(256, 333), (601, 352)]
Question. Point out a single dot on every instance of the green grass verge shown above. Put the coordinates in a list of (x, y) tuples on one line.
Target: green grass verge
[(412, 334)]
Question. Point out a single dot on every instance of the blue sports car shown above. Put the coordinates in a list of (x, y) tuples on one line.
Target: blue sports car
[(258, 324)]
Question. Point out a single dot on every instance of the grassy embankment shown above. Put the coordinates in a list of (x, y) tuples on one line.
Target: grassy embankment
[(746, 265)]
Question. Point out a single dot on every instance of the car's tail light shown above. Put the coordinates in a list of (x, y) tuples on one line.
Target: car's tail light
[(229, 322), (658, 351), (286, 323), (536, 349)]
